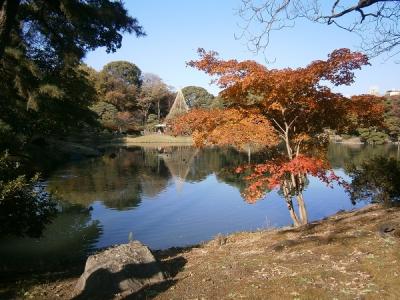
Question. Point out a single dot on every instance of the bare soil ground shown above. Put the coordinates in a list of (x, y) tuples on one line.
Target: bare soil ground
[(353, 255)]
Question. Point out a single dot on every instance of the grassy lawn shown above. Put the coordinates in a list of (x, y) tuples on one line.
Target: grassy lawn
[(161, 139)]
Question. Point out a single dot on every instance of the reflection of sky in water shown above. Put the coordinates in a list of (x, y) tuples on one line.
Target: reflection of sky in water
[(167, 212), (138, 192), (202, 210)]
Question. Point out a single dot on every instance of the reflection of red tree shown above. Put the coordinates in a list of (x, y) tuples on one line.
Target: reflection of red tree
[(290, 176)]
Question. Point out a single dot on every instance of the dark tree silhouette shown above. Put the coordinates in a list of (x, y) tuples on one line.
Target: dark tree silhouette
[(51, 28)]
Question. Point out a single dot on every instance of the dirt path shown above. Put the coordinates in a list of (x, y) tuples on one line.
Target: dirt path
[(348, 256)]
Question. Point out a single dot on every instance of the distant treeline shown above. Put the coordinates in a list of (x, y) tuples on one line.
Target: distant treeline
[(126, 100), (387, 131)]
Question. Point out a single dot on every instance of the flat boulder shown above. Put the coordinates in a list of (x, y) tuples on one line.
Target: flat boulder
[(118, 272)]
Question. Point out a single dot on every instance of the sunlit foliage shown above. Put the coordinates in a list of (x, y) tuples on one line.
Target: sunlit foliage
[(236, 127)]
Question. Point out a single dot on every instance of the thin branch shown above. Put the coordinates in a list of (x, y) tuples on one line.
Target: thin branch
[(377, 22), (280, 127)]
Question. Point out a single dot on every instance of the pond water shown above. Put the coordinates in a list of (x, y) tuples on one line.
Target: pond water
[(164, 198)]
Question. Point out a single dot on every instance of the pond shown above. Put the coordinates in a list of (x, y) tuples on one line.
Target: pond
[(166, 197)]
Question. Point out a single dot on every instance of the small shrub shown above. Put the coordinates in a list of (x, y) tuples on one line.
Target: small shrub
[(25, 206)]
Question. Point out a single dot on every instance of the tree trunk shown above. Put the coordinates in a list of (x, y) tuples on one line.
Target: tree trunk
[(287, 143), (292, 213), (158, 110), (302, 209), (144, 117), (8, 13), (294, 184), (289, 203)]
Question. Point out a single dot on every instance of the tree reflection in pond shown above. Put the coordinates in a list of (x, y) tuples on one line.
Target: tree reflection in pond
[(290, 177), (135, 192), (122, 181), (342, 156), (376, 180), (66, 241), (117, 182)]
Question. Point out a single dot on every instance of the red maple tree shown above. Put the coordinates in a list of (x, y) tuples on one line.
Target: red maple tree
[(294, 105)]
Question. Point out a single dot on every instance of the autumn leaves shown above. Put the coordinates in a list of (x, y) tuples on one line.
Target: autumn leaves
[(289, 107), (236, 127)]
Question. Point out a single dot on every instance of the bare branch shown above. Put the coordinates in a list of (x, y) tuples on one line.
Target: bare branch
[(279, 126), (375, 21)]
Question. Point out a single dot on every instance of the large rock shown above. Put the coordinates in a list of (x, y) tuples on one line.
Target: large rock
[(118, 272)]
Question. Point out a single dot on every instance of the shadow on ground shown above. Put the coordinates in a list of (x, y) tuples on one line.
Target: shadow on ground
[(13, 284), (171, 266), (105, 285)]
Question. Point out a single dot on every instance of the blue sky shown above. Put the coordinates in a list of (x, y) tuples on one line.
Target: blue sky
[(176, 28)]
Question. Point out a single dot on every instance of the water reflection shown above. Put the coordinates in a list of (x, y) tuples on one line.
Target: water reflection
[(367, 173), (120, 181), (376, 180), (168, 197), (66, 241), (342, 156), (123, 180)]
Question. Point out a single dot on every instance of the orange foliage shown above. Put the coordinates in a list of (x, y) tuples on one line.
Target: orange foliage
[(293, 99), (367, 110), (236, 127), (294, 102), (124, 116)]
